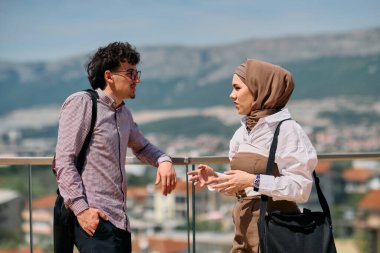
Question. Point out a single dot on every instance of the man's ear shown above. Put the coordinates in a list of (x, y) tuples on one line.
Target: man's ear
[(108, 76)]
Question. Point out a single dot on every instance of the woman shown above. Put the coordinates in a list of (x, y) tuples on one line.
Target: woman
[(260, 92)]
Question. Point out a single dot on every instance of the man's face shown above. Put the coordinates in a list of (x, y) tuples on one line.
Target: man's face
[(125, 78)]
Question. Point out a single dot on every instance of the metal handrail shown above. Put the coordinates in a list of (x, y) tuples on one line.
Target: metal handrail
[(191, 160)]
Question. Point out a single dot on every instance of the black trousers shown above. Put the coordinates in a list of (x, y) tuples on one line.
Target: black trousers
[(107, 238)]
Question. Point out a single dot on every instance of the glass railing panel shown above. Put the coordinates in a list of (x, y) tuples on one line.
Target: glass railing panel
[(14, 206), (213, 217), (345, 195), (44, 188), (158, 222), (192, 219)]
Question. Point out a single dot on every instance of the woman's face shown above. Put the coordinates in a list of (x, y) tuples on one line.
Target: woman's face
[(241, 96)]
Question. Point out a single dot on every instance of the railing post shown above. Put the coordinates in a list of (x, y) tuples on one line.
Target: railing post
[(30, 210), (187, 205), (193, 206)]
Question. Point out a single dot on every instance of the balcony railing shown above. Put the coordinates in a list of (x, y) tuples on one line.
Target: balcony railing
[(28, 162)]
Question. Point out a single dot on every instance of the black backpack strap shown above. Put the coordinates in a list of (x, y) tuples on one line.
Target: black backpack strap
[(82, 154)]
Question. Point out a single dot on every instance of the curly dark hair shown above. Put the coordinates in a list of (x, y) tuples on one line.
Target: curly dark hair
[(109, 58)]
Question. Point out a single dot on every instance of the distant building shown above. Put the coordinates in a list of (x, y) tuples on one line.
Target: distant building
[(171, 210), (368, 218), (10, 215), (42, 216), (140, 209), (159, 244), (361, 180), (331, 184), (176, 242)]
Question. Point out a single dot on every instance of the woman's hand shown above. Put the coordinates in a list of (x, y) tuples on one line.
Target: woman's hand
[(234, 181), (202, 175)]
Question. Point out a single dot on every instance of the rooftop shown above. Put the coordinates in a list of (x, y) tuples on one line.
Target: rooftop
[(7, 195), (358, 174), (371, 201), (323, 167)]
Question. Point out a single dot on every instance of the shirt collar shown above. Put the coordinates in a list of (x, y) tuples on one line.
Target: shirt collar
[(276, 117), (106, 99)]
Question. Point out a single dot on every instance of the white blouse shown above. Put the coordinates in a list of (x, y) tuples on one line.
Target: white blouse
[(296, 157)]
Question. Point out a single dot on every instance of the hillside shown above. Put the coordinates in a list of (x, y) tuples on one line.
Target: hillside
[(326, 65)]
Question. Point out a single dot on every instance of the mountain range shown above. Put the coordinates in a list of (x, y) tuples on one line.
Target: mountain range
[(324, 65)]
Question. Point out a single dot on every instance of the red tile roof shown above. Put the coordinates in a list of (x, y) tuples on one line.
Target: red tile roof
[(135, 244), (21, 250), (371, 200), (165, 245), (137, 192), (45, 202), (323, 167), (357, 175)]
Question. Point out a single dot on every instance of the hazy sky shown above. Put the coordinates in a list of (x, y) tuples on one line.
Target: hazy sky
[(47, 30)]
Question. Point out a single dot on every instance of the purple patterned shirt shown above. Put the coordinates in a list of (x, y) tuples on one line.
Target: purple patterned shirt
[(103, 183)]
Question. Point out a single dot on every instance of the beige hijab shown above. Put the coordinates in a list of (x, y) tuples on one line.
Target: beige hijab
[(270, 85)]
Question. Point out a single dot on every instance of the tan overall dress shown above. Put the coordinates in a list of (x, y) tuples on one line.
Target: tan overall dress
[(247, 209)]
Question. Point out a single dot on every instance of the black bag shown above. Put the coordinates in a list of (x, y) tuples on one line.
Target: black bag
[(64, 218), (309, 232)]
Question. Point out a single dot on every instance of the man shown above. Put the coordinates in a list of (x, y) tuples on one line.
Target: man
[(97, 196)]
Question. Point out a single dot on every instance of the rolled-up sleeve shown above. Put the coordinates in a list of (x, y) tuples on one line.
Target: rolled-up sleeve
[(296, 159), (74, 124)]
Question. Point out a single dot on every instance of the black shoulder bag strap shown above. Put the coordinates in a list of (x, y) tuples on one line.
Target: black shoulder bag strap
[(264, 198), (82, 154)]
